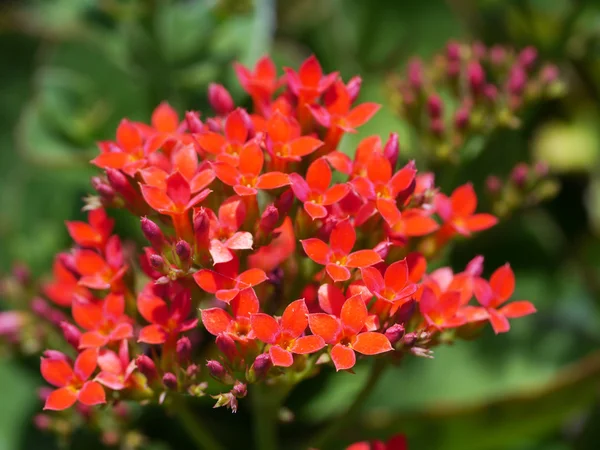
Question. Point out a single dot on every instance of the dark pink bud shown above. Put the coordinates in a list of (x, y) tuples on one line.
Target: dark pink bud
[(479, 50), (42, 421), (261, 365), (475, 76), (269, 219), (56, 317), (213, 125), (528, 57), (21, 273), (475, 266), (240, 390), (220, 99), (40, 307), (490, 92), (227, 346), (435, 106), (493, 184), (461, 118), (71, 333), (453, 51), (383, 248), (192, 370), (121, 184), (44, 392), (183, 251), (498, 55), (391, 150), (68, 261), (406, 311), (193, 121), (284, 203), (549, 74), (437, 126), (541, 169), (415, 73), (183, 349), (353, 88), (147, 367), (453, 69), (215, 369), (395, 333), (519, 174), (153, 233), (409, 339), (201, 224), (157, 262), (103, 188), (517, 80), (170, 381)]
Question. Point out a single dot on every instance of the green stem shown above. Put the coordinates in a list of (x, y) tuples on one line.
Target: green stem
[(347, 419), (196, 430), (265, 410)]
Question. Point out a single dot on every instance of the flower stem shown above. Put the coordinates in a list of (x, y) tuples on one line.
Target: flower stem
[(266, 402), (196, 430), (346, 419)]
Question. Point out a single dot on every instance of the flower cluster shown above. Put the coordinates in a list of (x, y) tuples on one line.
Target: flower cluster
[(271, 254), (469, 90)]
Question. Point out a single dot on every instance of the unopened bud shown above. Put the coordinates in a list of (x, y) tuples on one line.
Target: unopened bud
[(527, 57), (453, 51), (475, 266), (183, 252), (56, 317), (490, 92), (240, 390), (461, 118), (192, 370), (493, 184), (106, 192), (497, 55), (261, 365), (215, 369), (157, 262), (353, 88), (406, 311), (435, 106), (475, 76), (409, 339), (183, 349), (549, 74), (519, 174), (415, 73), (541, 169), (226, 345), (170, 381), (71, 333), (395, 333), (121, 184), (68, 262), (437, 126), (42, 422), (213, 125), (153, 233), (220, 99), (479, 49), (517, 80), (193, 121), (284, 202), (201, 224), (147, 367), (391, 150), (21, 273), (40, 307), (269, 219), (56, 355)]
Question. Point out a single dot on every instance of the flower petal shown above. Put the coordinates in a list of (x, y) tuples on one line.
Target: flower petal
[(480, 222), (337, 273), (396, 275), (318, 175), (343, 357), (164, 118), (272, 180), (295, 318), (215, 320), (304, 145), (92, 339), (517, 309), (265, 327), (315, 211), (326, 326), (128, 136), (307, 344), (464, 200), (242, 240), (502, 283), (226, 173), (354, 314), (373, 279), (92, 393), (335, 193), (252, 277), (362, 114), (331, 299), (281, 357), (371, 343), (86, 363), (111, 380), (343, 237), (152, 334), (156, 198), (57, 372), (60, 399), (363, 258), (245, 304), (316, 249), (499, 323)]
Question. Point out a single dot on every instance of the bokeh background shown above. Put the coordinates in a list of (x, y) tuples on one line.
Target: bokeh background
[(71, 69)]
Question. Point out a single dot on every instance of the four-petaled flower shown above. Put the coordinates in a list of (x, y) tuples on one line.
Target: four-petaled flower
[(336, 256), (93, 234), (458, 211), (116, 370), (227, 288), (394, 286), (98, 272), (441, 311), (165, 322), (238, 326)]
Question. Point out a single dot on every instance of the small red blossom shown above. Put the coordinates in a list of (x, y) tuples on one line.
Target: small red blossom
[(238, 326), (408, 223), (285, 336), (99, 272), (261, 83), (72, 381), (227, 288), (64, 286), (441, 311), (224, 236), (346, 334), (458, 211), (174, 198), (394, 286), (116, 369), (93, 234), (284, 140), (337, 257), (309, 82)]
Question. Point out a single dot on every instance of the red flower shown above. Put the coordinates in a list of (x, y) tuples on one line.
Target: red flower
[(166, 323), (227, 288), (408, 223), (397, 442), (492, 295), (72, 382), (116, 369), (284, 141), (336, 256), (441, 311), (315, 192), (309, 82), (346, 335), (64, 286), (261, 83), (394, 286), (224, 235), (217, 321), (458, 211), (98, 272), (93, 234), (105, 321), (285, 336), (174, 198), (246, 179)]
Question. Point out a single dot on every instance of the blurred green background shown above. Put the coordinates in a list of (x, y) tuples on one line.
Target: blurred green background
[(71, 69)]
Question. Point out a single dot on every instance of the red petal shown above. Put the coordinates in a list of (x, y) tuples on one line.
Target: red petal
[(178, 189), (337, 273), (92, 393), (480, 222), (373, 279), (499, 322), (89, 262), (60, 399), (219, 253), (152, 308), (300, 187), (343, 237), (111, 160), (152, 334), (185, 161), (379, 169), (57, 372), (244, 191), (331, 299), (362, 114), (502, 283), (310, 72), (202, 180), (321, 115), (315, 211), (164, 118), (92, 339), (396, 275), (272, 180), (211, 142), (87, 314), (354, 315), (226, 173), (235, 127), (114, 306), (318, 175), (335, 194), (343, 357), (295, 318), (211, 281), (83, 234), (363, 258), (304, 145), (265, 328), (316, 249), (227, 295), (251, 160), (418, 225), (517, 309), (308, 344), (326, 326), (111, 380), (252, 277), (215, 320), (371, 343), (242, 240), (402, 179), (464, 200), (156, 198), (245, 304), (340, 162), (128, 136), (86, 363), (281, 357), (122, 331), (278, 128)]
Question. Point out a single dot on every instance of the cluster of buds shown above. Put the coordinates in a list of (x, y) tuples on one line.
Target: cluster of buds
[(467, 91), (268, 249), (526, 186)]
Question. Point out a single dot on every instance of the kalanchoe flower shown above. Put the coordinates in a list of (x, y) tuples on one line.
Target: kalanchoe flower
[(72, 381), (99, 272), (93, 234), (394, 286), (105, 321), (116, 369)]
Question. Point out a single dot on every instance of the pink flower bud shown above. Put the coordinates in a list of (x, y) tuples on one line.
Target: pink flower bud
[(437, 127), (284, 202), (528, 57), (498, 55), (240, 390), (183, 252), (415, 73), (147, 367), (106, 192), (121, 184), (461, 118), (268, 219), (56, 355), (201, 224), (42, 422), (475, 76), (391, 150), (541, 169), (215, 369), (435, 106), (517, 80), (549, 74), (170, 381), (71, 333), (192, 370), (479, 49), (409, 339), (227, 346), (493, 184), (21, 273), (395, 333), (406, 311), (261, 365), (193, 121), (40, 307), (519, 174), (220, 99), (153, 233), (183, 349), (453, 50), (213, 125), (475, 266), (490, 92), (158, 263), (353, 88)]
